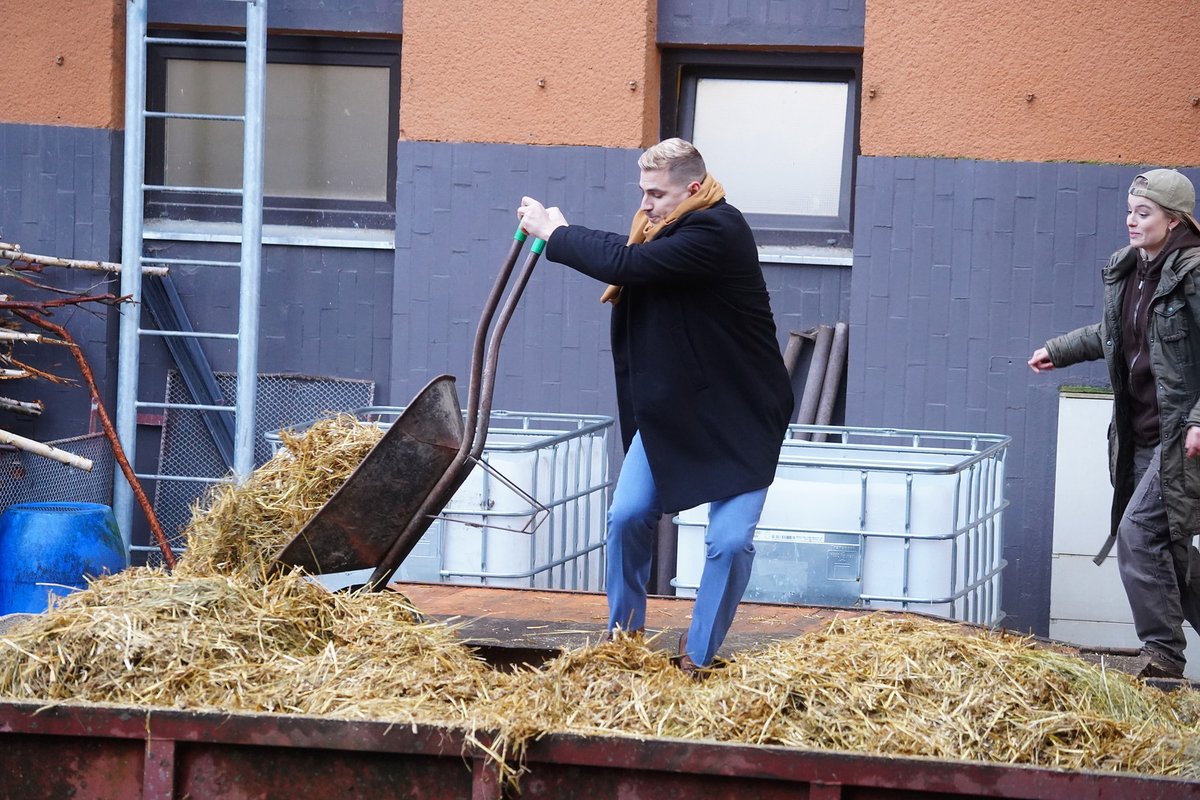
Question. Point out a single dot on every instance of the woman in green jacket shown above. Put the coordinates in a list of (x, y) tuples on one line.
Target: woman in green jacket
[(1150, 338)]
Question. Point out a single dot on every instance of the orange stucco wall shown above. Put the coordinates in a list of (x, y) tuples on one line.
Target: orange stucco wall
[(63, 62), (1108, 80), (579, 73)]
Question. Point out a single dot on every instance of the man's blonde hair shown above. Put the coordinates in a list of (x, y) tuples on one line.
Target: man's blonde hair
[(680, 158)]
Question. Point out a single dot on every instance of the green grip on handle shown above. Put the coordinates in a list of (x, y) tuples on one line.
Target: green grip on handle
[(538, 246), (520, 235)]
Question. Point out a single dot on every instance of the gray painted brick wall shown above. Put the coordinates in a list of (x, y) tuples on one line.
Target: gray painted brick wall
[(456, 206), (961, 269), (56, 198), (810, 23), (340, 16), (324, 311)]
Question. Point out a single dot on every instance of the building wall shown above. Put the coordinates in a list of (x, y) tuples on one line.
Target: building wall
[(829, 24), (57, 197), (1032, 81), (376, 17), (64, 63), (586, 74)]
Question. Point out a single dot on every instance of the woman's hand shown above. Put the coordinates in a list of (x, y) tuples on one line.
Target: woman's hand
[(1040, 361), (1191, 444)]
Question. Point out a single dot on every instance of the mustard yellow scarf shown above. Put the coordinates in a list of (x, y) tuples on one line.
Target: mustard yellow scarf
[(643, 230)]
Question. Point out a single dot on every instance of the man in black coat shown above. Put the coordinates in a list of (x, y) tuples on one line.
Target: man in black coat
[(703, 396)]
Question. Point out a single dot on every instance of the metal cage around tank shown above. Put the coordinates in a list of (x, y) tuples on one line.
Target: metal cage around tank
[(876, 517)]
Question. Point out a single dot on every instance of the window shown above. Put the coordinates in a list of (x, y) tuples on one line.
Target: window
[(331, 127), (779, 130)]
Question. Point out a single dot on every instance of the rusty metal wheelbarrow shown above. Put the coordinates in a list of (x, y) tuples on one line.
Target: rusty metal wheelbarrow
[(380, 513)]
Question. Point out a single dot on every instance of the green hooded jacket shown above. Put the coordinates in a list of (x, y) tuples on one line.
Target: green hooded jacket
[(1174, 338)]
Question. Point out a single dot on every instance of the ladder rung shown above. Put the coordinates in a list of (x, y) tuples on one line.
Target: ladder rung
[(184, 406), (186, 115), (146, 187), (185, 334), (196, 42), (186, 262)]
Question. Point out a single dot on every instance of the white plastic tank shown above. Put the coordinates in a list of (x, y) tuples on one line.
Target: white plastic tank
[(880, 518)]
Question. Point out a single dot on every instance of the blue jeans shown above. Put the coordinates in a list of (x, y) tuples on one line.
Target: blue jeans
[(729, 554)]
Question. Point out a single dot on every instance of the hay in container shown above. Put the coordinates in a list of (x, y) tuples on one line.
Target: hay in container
[(222, 634), (239, 529), (879, 684)]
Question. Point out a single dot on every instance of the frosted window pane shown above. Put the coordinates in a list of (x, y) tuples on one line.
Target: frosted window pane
[(326, 129), (776, 146)]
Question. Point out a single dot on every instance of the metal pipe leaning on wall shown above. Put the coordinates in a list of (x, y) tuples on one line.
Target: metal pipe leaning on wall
[(791, 353), (811, 397), (833, 376)]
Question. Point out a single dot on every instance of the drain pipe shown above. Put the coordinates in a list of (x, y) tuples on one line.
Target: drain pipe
[(833, 377)]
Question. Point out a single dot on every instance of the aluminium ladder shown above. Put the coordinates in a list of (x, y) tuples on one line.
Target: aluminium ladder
[(134, 255)]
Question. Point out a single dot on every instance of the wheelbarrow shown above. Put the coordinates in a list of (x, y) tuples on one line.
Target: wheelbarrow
[(380, 513)]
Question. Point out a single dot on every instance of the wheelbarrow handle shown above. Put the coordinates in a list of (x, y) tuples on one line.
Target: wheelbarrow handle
[(538, 244), (479, 403)]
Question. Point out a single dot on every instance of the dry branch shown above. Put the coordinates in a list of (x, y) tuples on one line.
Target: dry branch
[(37, 448), (13, 252), (29, 409), (17, 336)]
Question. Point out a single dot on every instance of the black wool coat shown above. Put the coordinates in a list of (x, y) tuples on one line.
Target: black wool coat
[(698, 367)]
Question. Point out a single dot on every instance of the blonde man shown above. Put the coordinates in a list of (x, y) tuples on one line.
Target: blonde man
[(702, 393)]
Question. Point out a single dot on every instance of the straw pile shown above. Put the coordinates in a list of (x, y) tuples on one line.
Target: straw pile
[(150, 639), (242, 527), (874, 684), (220, 633)]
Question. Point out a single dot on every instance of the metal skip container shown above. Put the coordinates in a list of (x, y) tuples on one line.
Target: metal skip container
[(875, 517)]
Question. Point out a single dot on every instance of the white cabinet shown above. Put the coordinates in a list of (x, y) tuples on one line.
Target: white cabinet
[(1087, 602)]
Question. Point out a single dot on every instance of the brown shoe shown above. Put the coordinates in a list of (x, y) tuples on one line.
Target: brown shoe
[(1159, 666), (685, 663)]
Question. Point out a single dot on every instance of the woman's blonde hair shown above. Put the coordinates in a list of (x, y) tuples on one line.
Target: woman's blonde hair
[(680, 158)]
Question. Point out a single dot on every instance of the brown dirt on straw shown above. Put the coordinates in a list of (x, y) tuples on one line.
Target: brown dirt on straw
[(218, 634)]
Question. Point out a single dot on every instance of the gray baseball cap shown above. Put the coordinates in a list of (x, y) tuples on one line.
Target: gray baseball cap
[(1171, 190)]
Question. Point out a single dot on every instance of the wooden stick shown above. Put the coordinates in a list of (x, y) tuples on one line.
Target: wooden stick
[(17, 336), (20, 407), (30, 446), (14, 253)]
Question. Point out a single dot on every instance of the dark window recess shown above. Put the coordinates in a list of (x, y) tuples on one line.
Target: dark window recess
[(779, 130), (331, 127)]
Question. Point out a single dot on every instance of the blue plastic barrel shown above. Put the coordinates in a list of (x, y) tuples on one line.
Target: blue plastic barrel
[(46, 550)]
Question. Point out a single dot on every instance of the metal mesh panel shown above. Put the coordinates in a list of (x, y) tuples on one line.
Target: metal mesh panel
[(187, 448), (29, 478)]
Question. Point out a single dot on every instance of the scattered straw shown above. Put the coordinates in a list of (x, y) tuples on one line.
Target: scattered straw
[(882, 684), (243, 527), (146, 638)]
